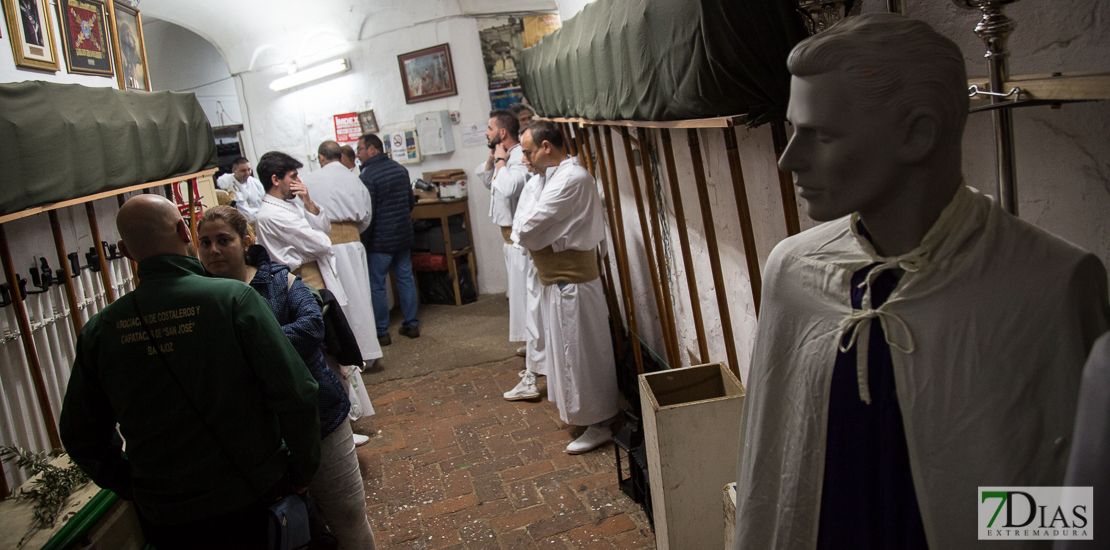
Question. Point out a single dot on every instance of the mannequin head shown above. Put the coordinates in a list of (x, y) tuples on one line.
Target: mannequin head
[(878, 102)]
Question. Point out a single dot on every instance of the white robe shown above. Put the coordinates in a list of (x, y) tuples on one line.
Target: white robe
[(293, 236), (345, 199), (988, 329), (568, 215), (248, 196), (505, 185), (535, 357)]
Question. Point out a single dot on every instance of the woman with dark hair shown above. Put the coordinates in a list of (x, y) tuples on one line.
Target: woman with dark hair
[(225, 248)]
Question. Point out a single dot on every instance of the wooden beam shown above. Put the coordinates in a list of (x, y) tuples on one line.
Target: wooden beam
[(89, 198), (1079, 86), (657, 230), (613, 198), (747, 234), (583, 153), (132, 263), (71, 293), (98, 245), (684, 242), (786, 181), (715, 122), (649, 252), (29, 344), (714, 251)]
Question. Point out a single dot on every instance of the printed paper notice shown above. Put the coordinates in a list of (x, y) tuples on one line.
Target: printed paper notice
[(474, 135), (347, 128)]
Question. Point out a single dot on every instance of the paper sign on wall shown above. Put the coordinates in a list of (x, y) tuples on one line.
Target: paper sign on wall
[(347, 128)]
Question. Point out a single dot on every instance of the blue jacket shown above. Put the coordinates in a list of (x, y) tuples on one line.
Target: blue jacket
[(391, 194), (299, 316)]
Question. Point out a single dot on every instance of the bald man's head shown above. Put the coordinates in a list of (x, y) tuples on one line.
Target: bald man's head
[(150, 225)]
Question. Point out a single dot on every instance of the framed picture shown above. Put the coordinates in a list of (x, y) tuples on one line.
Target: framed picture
[(31, 34), (129, 47), (367, 122), (427, 74), (85, 37)]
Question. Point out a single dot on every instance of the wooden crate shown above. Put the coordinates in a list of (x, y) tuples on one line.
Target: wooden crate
[(692, 430)]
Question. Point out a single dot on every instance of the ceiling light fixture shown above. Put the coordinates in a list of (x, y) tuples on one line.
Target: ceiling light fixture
[(308, 75)]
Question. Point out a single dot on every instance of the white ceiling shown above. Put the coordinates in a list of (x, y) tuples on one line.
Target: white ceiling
[(255, 34)]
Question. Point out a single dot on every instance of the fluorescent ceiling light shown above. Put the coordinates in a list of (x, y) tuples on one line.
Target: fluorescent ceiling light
[(335, 66)]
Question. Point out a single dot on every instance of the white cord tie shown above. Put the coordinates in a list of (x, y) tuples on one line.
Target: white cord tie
[(857, 327)]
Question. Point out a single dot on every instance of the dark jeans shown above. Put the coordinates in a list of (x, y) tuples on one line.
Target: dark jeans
[(401, 262), (242, 529)]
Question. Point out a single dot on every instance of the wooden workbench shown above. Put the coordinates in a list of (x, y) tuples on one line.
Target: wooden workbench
[(441, 210)]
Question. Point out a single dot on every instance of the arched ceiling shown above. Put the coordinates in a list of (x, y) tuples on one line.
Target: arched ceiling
[(256, 34)]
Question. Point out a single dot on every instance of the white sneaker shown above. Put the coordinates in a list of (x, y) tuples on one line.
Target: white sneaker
[(590, 440), (526, 389), (360, 439), (522, 351)]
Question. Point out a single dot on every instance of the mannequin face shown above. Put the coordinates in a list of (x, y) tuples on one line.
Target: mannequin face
[(844, 153)]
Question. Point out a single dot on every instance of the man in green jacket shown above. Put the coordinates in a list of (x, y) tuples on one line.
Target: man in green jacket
[(197, 483)]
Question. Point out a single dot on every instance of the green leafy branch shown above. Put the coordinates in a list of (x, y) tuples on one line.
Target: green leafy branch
[(53, 486)]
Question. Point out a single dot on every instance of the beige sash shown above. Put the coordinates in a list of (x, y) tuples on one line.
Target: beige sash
[(344, 232), (568, 266), (310, 274), (507, 234)]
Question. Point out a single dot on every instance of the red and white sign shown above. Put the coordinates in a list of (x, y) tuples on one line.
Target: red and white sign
[(347, 128)]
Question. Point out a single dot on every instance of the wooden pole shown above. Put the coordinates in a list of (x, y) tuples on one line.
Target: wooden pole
[(747, 234), (684, 242), (611, 291), (714, 252), (29, 343), (193, 213), (657, 229), (71, 293), (105, 277), (613, 197), (786, 181), (583, 151), (134, 265), (653, 267)]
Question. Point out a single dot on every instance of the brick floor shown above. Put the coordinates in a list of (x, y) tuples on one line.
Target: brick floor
[(453, 465)]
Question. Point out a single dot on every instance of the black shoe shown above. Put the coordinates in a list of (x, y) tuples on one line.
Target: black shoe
[(384, 339), (411, 332)]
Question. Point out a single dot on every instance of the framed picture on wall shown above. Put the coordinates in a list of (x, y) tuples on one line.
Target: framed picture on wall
[(427, 74), (129, 48), (85, 36), (31, 34), (367, 122)]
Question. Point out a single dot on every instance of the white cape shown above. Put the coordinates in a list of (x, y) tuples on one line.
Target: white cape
[(989, 329)]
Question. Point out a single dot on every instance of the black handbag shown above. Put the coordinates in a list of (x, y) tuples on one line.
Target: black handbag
[(295, 520)]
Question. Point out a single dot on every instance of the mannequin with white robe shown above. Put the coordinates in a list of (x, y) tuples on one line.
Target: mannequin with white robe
[(346, 201), (505, 184), (568, 216)]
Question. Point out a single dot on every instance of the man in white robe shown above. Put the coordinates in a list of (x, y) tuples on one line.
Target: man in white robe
[(248, 190), (504, 174), (921, 344), (349, 159), (293, 228), (341, 195), (535, 359), (563, 231)]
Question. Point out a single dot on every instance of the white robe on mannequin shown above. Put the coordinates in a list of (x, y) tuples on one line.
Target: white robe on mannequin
[(582, 378), (341, 194)]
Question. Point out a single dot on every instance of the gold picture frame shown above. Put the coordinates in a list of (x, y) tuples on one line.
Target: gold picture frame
[(85, 37), (129, 48), (31, 17)]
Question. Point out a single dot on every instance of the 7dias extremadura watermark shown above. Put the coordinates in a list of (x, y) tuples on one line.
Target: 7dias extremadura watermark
[(1035, 513)]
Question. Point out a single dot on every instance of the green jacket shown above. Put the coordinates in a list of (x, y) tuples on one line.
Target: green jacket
[(239, 369)]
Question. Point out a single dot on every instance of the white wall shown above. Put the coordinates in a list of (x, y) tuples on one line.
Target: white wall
[(182, 61)]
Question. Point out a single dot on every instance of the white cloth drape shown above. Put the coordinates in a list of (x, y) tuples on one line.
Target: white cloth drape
[(988, 327)]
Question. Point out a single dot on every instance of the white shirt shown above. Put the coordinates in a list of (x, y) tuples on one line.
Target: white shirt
[(339, 193), (505, 184), (248, 196), (294, 236), (568, 215)]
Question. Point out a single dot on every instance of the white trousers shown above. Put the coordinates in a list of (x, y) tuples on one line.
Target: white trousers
[(516, 267), (536, 359)]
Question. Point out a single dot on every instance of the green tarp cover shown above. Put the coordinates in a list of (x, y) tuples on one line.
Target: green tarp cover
[(63, 141), (666, 60)]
